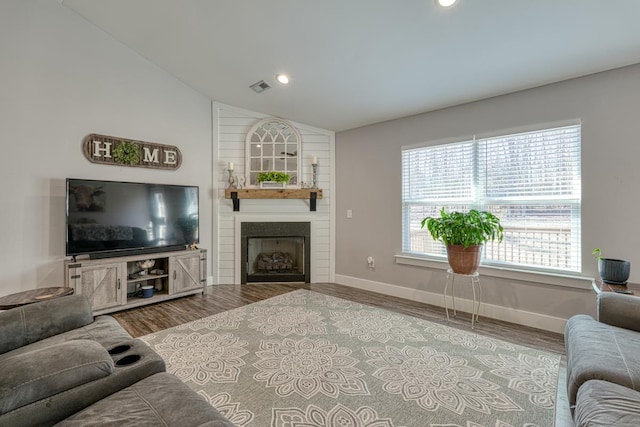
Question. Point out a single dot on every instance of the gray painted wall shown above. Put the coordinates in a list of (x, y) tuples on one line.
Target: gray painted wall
[(369, 183)]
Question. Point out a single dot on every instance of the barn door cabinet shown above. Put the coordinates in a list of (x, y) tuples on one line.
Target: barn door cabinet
[(113, 284)]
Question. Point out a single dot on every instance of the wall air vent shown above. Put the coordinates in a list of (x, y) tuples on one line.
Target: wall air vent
[(259, 87)]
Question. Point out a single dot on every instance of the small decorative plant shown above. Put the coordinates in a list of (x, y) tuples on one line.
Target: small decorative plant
[(126, 153), (612, 271), (273, 177), (466, 229)]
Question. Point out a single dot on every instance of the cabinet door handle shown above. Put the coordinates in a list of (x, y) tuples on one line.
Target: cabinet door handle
[(118, 283), (174, 275)]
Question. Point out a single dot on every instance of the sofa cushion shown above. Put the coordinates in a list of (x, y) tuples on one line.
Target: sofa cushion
[(596, 350), (604, 404), (39, 374), (159, 400), (104, 330), (34, 322)]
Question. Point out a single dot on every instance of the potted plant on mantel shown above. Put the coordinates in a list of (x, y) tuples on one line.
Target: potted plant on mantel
[(273, 179), (612, 271), (464, 234)]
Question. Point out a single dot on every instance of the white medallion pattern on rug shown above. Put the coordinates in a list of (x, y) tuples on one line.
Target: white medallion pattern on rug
[(290, 298), (230, 410), (203, 358), (309, 367), (232, 321), (333, 302), (285, 321), (532, 376), (464, 339), (435, 380), (338, 416), (374, 325)]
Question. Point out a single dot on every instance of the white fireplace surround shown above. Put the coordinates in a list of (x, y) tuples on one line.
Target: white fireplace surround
[(239, 219)]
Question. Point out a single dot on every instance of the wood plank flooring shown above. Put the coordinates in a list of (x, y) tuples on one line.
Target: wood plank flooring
[(152, 318)]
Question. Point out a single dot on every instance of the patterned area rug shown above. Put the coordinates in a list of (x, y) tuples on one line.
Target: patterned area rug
[(304, 359)]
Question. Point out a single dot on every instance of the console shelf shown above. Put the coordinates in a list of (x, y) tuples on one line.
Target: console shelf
[(109, 283)]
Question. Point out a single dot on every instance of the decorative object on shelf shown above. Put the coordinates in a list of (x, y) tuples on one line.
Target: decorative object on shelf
[(464, 234), (147, 291), (314, 165), (146, 264), (240, 181), (231, 180), (612, 271), (273, 179), (273, 144), (111, 150)]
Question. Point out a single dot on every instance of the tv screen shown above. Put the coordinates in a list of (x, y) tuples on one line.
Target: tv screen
[(106, 218)]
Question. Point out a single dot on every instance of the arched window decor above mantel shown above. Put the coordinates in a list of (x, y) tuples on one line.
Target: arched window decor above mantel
[(273, 145)]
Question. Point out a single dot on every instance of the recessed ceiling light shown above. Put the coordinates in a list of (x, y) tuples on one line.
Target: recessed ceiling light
[(282, 78), (446, 3)]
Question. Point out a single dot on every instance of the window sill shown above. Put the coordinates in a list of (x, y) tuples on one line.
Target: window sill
[(548, 278)]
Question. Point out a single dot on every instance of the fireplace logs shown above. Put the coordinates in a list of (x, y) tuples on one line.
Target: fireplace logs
[(276, 262)]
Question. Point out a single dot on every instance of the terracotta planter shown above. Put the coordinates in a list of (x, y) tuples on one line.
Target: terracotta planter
[(464, 261)]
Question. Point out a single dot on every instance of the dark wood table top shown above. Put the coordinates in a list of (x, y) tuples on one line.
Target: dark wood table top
[(599, 286), (33, 295)]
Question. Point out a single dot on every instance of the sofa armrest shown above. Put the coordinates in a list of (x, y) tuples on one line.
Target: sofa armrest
[(619, 310), (24, 325), (39, 374)]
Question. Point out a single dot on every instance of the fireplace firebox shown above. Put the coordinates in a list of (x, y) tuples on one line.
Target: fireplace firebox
[(275, 251)]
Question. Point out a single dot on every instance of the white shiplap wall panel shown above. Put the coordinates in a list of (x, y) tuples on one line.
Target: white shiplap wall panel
[(233, 125)]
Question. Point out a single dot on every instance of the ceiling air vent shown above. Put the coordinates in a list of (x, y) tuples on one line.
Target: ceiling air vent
[(261, 86)]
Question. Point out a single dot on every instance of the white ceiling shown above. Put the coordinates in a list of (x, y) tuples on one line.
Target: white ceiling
[(357, 62)]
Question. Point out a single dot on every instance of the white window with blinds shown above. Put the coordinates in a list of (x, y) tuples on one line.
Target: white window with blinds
[(530, 180)]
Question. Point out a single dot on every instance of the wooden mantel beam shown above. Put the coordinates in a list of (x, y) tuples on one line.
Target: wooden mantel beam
[(273, 193)]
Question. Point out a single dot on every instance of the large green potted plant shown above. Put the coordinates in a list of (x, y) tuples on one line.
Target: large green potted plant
[(464, 234)]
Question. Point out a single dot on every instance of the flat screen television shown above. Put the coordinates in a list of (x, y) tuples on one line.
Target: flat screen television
[(109, 218)]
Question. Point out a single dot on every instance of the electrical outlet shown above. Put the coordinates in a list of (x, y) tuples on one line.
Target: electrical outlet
[(349, 213), (371, 263)]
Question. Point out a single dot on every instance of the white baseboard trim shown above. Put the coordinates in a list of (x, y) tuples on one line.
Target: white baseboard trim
[(520, 317)]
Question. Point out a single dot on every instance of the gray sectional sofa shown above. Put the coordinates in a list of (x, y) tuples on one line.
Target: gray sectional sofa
[(603, 363), (59, 365)]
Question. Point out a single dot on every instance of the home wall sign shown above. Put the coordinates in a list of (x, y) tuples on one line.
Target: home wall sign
[(111, 150)]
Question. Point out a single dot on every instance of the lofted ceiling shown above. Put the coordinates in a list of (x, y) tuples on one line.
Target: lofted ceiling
[(357, 62)]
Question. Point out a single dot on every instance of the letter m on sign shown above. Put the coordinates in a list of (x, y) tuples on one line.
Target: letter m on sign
[(150, 156)]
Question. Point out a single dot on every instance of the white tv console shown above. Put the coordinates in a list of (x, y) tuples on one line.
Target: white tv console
[(113, 284)]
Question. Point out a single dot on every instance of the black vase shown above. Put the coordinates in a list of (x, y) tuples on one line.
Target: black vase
[(614, 271)]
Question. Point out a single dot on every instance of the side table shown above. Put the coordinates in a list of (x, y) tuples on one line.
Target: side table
[(475, 282), (31, 296), (632, 289)]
